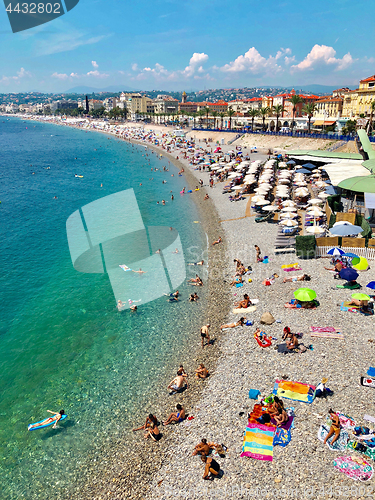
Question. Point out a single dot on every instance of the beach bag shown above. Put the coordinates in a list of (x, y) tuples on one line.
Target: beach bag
[(361, 430), (361, 448), (267, 319)]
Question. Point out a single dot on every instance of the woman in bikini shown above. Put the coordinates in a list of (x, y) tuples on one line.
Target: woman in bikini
[(178, 416), (56, 417), (301, 277), (335, 428), (240, 322), (243, 304)]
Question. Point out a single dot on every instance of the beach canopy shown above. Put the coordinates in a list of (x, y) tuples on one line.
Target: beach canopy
[(360, 263), (335, 251), (258, 198), (315, 211), (360, 296), (303, 171), (305, 294), (323, 195), (348, 274), (291, 162), (262, 202), (345, 230)]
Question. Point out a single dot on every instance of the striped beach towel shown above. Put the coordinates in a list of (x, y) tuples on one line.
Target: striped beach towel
[(294, 390), (258, 442)]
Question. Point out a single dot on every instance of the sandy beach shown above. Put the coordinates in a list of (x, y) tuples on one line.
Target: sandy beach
[(303, 469)]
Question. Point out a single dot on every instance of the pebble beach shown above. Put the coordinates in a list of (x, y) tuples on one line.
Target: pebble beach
[(236, 364)]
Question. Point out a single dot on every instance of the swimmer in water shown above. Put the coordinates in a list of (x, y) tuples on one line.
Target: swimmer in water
[(176, 251), (56, 417), (196, 263), (140, 271)]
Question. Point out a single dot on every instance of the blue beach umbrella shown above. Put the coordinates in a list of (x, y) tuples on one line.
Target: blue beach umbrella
[(345, 230), (303, 171), (291, 162), (348, 274), (371, 285), (351, 255), (335, 251), (310, 166)]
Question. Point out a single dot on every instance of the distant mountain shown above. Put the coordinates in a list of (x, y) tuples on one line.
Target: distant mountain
[(93, 90), (323, 89)]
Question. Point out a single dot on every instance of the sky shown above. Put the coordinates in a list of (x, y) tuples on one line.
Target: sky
[(199, 44)]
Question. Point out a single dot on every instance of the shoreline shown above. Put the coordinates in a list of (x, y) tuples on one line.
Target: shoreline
[(128, 473)]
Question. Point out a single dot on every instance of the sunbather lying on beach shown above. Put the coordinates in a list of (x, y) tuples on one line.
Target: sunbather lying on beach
[(240, 322), (364, 306), (219, 240), (301, 277), (196, 281), (297, 304), (243, 304), (338, 267), (237, 280), (178, 416), (201, 371)]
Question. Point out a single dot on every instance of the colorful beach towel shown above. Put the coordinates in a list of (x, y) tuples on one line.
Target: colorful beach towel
[(370, 452), (294, 390), (323, 329), (346, 422), (326, 335), (339, 445), (282, 437), (258, 442), (290, 266), (355, 467)]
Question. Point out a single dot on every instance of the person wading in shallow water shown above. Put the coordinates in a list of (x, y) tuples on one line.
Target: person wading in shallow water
[(205, 334)]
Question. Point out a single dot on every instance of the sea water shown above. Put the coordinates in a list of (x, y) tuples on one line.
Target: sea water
[(63, 343)]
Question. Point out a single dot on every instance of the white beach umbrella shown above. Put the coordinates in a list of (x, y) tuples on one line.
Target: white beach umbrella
[(257, 198), (282, 164), (321, 184), (265, 185), (316, 170), (249, 182), (288, 209), (315, 175), (323, 195), (301, 183), (238, 188), (233, 175), (302, 192), (315, 212), (288, 203), (270, 208), (315, 230), (315, 201), (284, 181), (289, 223), (262, 202), (288, 215)]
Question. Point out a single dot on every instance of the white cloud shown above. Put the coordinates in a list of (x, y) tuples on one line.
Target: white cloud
[(289, 60), (65, 41), (135, 67), (197, 59), (252, 62), (95, 64), (60, 76), (283, 52), (323, 55), (22, 73), (97, 74)]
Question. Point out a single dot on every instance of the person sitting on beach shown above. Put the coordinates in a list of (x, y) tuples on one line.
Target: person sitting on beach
[(281, 418), (201, 371), (240, 271), (335, 428), (286, 332), (337, 268), (196, 263), (212, 468), (206, 197), (202, 448), (274, 407), (219, 240), (291, 341), (205, 334), (177, 383), (193, 297), (151, 419), (153, 432), (258, 257), (237, 280), (301, 277), (262, 338), (178, 416), (56, 417), (243, 304), (240, 322)]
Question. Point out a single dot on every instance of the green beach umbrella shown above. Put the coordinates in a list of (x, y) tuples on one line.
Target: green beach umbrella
[(360, 184), (304, 294), (360, 296)]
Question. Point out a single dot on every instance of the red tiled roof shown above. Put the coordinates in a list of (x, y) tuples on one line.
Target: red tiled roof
[(369, 79)]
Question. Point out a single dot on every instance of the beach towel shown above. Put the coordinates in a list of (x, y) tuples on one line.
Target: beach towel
[(357, 469), (294, 390), (247, 310), (346, 422), (282, 437), (258, 442), (370, 452), (288, 270), (321, 329), (286, 425), (290, 266), (350, 287), (340, 444), (326, 335), (346, 306)]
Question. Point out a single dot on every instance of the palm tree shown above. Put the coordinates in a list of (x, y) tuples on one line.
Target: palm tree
[(194, 115), (201, 114), (207, 110), (222, 118), (295, 100), (263, 113), (230, 113), (369, 126), (214, 114), (309, 109), (278, 109), (253, 113)]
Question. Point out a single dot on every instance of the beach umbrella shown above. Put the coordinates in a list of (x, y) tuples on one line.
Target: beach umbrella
[(301, 183), (315, 175), (351, 255), (315, 212), (323, 195), (321, 184), (348, 274), (360, 263), (360, 296), (257, 198), (315, 201), (265, 185), (270, 208), (288, 215), (371, 285), (237, 188), (335, 251), (345, 230), (289, 223), (248, 182), (288, 209), (342, 223), (310, 166), (262, 202), (291, 162), (302, 192), (315, 229), (288, 203), (305, 294), (316, 171)]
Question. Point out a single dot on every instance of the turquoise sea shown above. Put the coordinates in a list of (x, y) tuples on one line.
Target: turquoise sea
[(63, 344)]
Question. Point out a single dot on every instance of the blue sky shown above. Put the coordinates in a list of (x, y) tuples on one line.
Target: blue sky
[(175, 45)]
